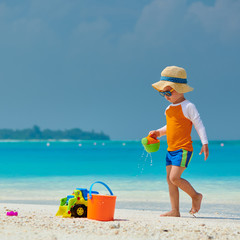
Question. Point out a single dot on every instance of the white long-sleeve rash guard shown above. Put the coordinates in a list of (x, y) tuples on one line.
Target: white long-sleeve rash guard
[(191, 113)]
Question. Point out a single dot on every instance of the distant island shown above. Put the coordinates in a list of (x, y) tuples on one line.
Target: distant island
[(36, 133)]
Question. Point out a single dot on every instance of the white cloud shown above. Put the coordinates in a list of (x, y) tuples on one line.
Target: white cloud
[(90, 37), (7, 13), (159, 21), (160, 14), (96, 28), (222, 19), (165, 22), (2, 10), (50, 9)]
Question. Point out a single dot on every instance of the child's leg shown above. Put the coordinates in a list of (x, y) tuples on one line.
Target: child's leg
[(174, 196), (175, 178)]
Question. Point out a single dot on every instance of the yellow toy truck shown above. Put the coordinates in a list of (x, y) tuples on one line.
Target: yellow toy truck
[(74, 205)]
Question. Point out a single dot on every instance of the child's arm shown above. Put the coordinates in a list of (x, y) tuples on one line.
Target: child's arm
[(158, 133), (197, 122)]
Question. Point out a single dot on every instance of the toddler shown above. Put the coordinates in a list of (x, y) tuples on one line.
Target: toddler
[(180, 116)]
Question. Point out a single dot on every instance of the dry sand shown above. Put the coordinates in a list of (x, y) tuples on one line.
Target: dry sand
[(39, 222)]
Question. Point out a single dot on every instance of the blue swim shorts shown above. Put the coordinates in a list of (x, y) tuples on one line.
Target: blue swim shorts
[(179, 158)]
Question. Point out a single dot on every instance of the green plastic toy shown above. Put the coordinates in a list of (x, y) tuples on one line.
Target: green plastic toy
[(150, 144)]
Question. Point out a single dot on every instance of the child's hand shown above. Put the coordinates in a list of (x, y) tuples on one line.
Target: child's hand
[(154, 134), (205, 151)]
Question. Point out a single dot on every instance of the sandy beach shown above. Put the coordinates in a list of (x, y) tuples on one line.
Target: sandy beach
[(39, 222)]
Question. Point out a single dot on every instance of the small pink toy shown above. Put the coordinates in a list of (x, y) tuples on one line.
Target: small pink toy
[(12, 213)]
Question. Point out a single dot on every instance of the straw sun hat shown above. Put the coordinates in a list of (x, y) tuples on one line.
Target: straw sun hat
[(174, 77)]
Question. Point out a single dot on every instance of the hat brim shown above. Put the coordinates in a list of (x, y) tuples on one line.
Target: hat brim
[(179, 87)]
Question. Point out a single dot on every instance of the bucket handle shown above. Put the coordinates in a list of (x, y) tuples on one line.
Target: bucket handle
[(104, 184)]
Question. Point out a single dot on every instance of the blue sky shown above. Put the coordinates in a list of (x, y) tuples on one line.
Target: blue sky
[(90, 64)]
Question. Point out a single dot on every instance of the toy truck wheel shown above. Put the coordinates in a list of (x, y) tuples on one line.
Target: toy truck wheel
[(79, 210)]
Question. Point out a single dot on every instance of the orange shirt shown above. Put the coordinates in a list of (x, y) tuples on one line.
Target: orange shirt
[(178, 129)]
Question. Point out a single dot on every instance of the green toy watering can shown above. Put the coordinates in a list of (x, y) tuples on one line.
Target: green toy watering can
[(151, 144)]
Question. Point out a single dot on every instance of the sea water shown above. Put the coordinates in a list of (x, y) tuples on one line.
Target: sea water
[(44, 172)]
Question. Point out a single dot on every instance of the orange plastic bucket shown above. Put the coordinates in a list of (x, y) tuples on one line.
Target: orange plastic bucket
[(101, 207)]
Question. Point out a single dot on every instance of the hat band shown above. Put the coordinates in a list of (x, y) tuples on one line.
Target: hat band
[(175, 80)]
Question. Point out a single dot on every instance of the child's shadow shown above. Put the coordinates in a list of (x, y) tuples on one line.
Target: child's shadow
[(120, 220), (220, 218), (227, 218)]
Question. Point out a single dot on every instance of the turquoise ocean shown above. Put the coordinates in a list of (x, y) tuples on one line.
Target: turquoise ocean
[(42, 172)]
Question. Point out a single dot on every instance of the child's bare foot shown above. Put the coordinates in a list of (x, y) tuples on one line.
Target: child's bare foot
[(173, 213), (196, 203)]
